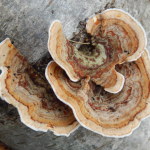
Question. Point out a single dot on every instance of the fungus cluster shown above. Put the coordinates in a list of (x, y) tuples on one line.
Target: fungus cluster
[(116, 38), (106, 84), (107, 87)]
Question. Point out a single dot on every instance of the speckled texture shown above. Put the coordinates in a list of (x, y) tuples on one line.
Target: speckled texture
[(26, 22)]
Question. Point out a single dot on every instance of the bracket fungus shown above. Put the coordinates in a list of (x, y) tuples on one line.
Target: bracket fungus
[(109, 114), (116, 37), (23, 87)]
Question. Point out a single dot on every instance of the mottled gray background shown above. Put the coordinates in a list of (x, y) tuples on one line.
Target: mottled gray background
[(26, 23)]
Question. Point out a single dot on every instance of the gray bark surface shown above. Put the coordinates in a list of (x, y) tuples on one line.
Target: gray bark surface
[(26, 22)]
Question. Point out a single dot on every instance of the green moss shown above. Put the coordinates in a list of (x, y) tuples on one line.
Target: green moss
[(91, 58)]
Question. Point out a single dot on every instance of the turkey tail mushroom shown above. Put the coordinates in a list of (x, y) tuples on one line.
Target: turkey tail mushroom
[(116, 38), (114, 115), (24, 88), (121, 28)]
